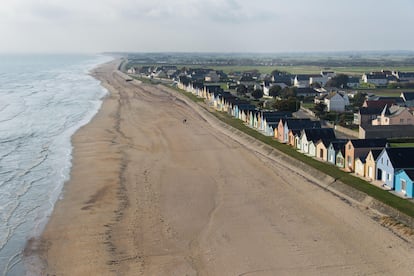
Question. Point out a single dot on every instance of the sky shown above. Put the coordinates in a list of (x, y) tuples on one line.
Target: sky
[(263, 26)]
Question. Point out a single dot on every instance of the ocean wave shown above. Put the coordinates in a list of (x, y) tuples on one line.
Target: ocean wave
[(47, 101)]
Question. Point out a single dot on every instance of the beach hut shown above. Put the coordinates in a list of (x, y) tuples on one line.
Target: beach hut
[(404, 182)]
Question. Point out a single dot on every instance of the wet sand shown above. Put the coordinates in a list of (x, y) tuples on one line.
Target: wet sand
[(152, 195)]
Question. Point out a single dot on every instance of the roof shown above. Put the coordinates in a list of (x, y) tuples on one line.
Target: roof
[(236, 101), (303, 77), (363, 158), (314, 134), (247, 107), (295, 131), (401, 158), (406, 75), (408, 96), (302, 124), (353, 80), (410, 173), (379, 103), (371, 110), (333, 94), (369, 143), (377, 76), (338, 144), (275, 119), (281, 114), (326, 142), (376, 153), (305, 91)]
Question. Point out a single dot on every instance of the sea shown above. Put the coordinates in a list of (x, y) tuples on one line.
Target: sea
[(44, 99)]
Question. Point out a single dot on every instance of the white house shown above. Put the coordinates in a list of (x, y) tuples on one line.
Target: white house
[(131, 70), (303, 81), (335, 102), (376, 79)]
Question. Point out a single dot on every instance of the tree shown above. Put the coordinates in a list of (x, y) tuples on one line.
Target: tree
[(291, 104), (241, 90), (257, 93), (340, 81), (274, 91), (288, 92), (359, 99), (316, 85), (320, 109)]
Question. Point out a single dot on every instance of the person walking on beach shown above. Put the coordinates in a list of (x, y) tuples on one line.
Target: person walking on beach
[(184, 121)]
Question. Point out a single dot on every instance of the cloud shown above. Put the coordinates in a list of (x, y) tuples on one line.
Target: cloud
[(225, 11)]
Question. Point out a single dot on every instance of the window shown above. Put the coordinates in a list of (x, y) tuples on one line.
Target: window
[(403, 186), (401, 121), (389, 176)]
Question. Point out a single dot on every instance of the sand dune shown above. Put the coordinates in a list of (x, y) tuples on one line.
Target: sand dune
[(151, 195)]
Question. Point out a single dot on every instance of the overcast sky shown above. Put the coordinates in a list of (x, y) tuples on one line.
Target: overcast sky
[(205, 25)]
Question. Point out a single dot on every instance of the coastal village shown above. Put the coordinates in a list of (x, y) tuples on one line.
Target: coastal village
[(366, 153)]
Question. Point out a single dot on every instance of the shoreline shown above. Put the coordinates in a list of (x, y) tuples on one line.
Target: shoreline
[(33, 262), (144, 174)]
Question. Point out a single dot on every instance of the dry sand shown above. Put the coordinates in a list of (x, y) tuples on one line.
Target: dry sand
[(151, 195)]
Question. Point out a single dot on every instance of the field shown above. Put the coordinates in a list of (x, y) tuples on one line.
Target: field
[(305, 69), (357, 71)]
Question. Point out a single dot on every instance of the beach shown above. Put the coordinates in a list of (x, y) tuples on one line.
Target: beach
[(155, 189)]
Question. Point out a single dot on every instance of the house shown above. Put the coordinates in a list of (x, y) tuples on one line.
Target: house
[(244, 112), (285, 125), (314, 135), (303, 81), (394, 115), (312, 149), (271, 116), (340, 159), (360, 147), (360, 165), (390, 161), (306, 92), (404, 76), (334, 148), (404, 182), (371, 164), (294, 138), (246, 80), (232, 106), (353, 82), (284, 78), (320, 79), (238, 109), (408, 98), (335, 102), (212, 76), (267, 85), (375, 78), (270, 129), (322, 149), (370, 110), (131, 70)]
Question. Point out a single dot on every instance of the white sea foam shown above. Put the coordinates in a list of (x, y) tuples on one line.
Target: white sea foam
[(43, 101)]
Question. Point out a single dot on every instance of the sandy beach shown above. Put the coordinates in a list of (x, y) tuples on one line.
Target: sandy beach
[(152, 195)]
